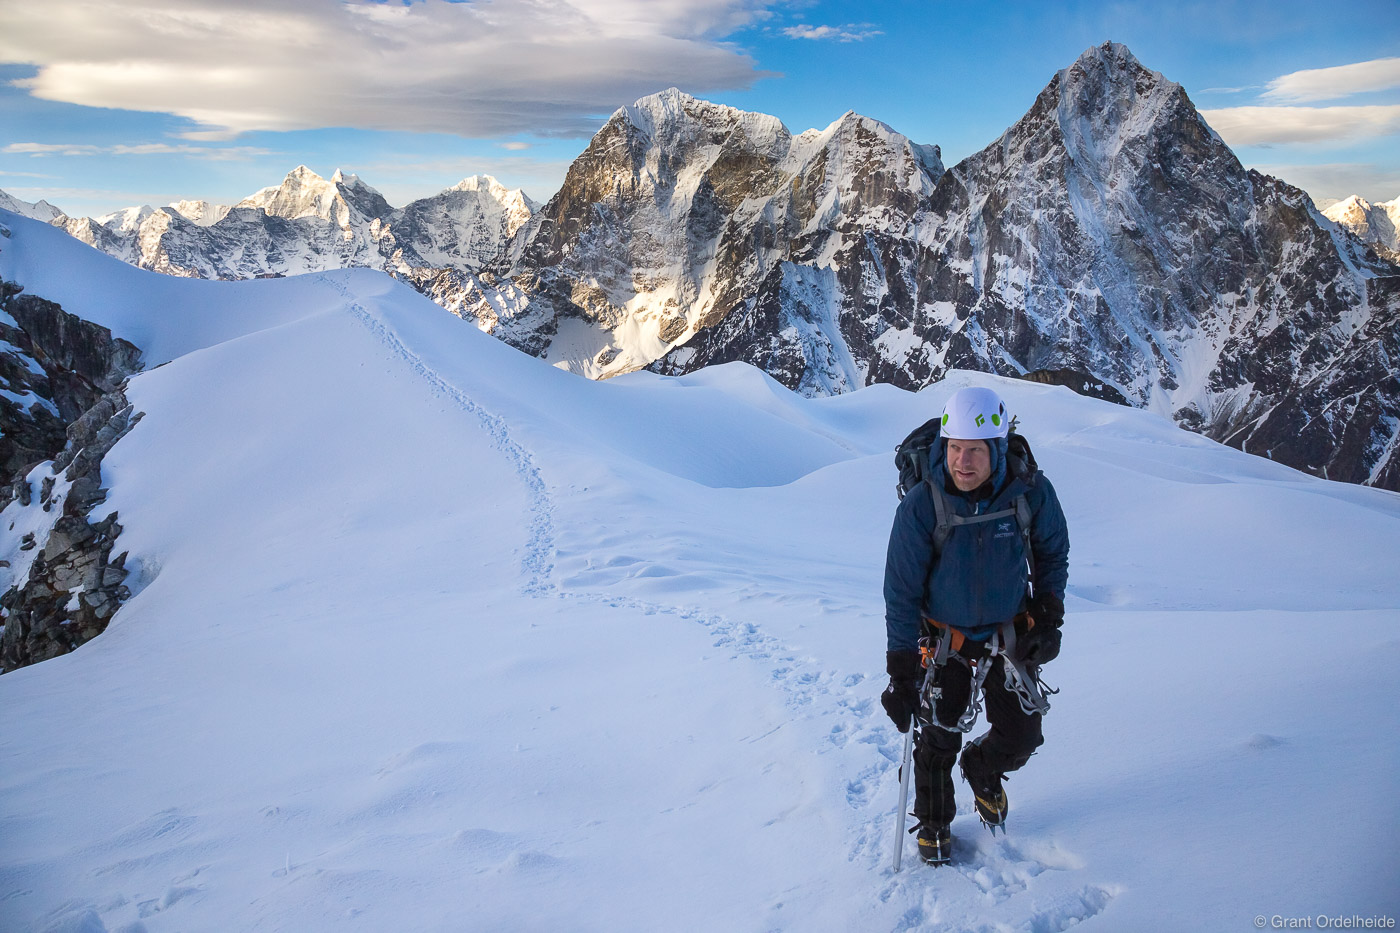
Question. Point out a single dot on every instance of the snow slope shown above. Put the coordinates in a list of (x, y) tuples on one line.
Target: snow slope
[(429, 635)]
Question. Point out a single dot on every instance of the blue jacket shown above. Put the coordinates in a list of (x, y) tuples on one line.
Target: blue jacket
[(979, 581)]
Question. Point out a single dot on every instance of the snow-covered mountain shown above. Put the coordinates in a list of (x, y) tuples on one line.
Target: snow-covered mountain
[(201, 212), (42, 210), (1376, 224), (682, 216), (310, 224), (1112, 232), (426, 634), (1109, 238)]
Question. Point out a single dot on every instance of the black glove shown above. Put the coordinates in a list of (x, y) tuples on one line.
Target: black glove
[(1042, 643), (1047, 607), (901, 697)]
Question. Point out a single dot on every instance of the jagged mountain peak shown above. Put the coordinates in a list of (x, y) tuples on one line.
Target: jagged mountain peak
[(351, 181), (38, 210), (1110, 53), (128, 218), (1108, 96), (1375, 224), (672, 115), (199, 212), (851, 122), (303, 193), (1353, 202), (485, 184), (1105, 118), (490, 187)]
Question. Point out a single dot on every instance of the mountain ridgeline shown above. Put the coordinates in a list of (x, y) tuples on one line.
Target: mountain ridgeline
[(309, 224), (1109, 236)]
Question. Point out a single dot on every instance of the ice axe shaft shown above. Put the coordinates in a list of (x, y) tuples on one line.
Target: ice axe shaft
[(904, 770)]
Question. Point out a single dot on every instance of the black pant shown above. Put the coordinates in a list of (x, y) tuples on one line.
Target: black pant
[(1007, 745)]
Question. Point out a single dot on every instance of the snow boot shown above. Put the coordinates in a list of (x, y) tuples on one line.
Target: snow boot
[(986, 786), (935, 844)]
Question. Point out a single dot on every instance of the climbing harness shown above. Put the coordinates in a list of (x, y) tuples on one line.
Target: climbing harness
[(1021, 679)]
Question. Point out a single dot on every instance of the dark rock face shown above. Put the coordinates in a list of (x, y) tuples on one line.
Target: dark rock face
[(1081, 383), (1328, 400), (74, 585), (63, 583), (62, 364)]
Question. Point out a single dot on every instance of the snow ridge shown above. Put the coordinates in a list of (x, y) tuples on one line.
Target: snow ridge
[(1003, 871), (537, 563), (533, 710), (803, 686)]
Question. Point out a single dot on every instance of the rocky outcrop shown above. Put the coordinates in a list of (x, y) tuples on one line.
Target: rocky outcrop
[(62, 410), (1080, 383), (54, 366), (72, 585)]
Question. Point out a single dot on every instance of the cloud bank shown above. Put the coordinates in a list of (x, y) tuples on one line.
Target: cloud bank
[(1280, 122), (1332, 83), (486, 69), (230, 154), (1266, 126)]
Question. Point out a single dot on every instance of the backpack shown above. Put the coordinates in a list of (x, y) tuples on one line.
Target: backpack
[(913, 460)]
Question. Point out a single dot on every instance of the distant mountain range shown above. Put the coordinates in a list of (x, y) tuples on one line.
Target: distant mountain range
[(1108, 238), (309, 224)]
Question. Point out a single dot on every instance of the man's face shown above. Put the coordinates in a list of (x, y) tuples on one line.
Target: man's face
[(969, 463)]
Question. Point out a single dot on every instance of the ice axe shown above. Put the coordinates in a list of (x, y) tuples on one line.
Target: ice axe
[(904, 770)]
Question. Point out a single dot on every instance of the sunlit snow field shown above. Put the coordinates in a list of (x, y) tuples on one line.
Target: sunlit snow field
[(429, 635)]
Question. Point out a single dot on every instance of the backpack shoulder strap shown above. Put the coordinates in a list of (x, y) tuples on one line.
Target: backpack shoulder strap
[(1023, 518), (946, 518), (943, 515)]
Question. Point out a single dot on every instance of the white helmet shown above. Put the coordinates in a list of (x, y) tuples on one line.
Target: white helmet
[(974, 413)]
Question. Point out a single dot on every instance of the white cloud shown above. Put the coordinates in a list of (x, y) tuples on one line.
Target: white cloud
[(1265, 126), (208, 136), (484, 69), (38, 149), (851, 32), (213, 154), (1332, 83)]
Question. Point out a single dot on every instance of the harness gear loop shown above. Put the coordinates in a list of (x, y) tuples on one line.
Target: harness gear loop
[(1021, 679)]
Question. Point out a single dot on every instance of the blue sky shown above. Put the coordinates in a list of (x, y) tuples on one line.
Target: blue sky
[(110, 104)]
